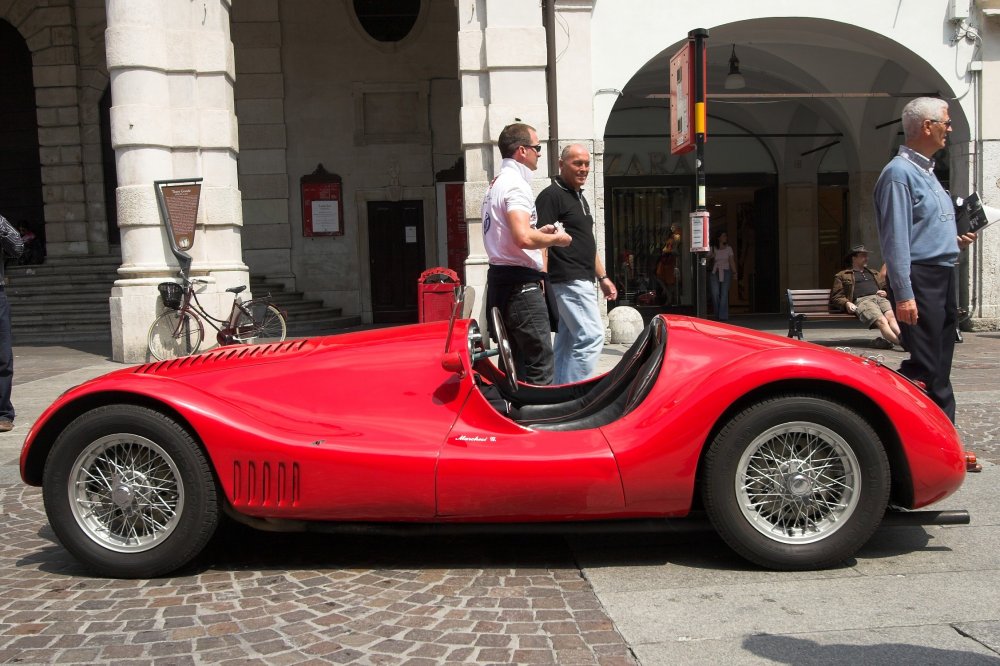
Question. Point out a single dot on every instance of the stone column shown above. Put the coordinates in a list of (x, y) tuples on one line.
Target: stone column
[(501, 61), (574, 105), (172, 116)]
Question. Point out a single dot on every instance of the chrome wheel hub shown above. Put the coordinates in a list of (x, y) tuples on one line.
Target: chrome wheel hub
[(795, 482)]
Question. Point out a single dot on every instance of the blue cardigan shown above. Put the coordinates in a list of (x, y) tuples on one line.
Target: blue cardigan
[(915, 218)]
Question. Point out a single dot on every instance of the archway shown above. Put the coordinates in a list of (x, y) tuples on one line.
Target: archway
[(818, 117), (20, 168)]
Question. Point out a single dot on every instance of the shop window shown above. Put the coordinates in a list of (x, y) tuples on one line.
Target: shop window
[(641, 221)]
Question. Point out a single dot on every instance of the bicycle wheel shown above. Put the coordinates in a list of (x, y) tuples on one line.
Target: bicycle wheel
[(266, 325), (175, 333)]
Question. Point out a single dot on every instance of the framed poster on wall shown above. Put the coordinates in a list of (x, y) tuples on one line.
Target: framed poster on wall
[(322, 203)]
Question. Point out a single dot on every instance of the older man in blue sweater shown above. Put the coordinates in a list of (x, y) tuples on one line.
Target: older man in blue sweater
[(920, 246)]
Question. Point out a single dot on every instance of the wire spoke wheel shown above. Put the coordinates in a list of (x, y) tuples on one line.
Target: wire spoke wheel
[(126, 493), (173, 334), (798, 482), (267, 325), (129, 492)]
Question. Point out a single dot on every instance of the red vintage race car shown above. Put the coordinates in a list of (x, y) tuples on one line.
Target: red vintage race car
[(795, 452)]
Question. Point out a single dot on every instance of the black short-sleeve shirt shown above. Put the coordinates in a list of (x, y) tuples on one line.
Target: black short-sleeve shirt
[(560, 203)]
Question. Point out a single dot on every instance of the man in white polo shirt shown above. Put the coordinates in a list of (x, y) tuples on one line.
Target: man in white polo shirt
[(516, 282)]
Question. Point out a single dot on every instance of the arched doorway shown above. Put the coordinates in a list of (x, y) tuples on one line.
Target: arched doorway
[(814, 123), (20, 168)]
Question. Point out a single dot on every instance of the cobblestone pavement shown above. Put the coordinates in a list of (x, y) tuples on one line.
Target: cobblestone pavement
[(302, 599)]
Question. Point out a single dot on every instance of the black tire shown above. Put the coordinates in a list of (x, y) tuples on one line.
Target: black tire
[(796, 482), (267, 325), (129, 493), (174, 333)]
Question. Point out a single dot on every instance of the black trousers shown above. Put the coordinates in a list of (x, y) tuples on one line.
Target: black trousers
[(526, 318), (6, 360), (931, 342)]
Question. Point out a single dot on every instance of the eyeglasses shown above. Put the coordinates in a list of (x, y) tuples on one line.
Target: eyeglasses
[(946, 123), (537, 148)]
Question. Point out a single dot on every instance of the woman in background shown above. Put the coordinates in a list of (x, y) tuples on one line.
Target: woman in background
[(723, 272)]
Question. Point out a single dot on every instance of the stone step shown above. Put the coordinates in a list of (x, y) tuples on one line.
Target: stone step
[(67, 299), (60, 332)]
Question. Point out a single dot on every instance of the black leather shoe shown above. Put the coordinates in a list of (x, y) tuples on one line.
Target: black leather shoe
[(881, 343)]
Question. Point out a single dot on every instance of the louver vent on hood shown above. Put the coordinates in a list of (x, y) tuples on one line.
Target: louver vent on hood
[(225, 354)]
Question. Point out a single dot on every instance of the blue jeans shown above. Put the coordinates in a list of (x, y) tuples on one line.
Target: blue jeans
[(6, 360), (580, 337), (718, 290)]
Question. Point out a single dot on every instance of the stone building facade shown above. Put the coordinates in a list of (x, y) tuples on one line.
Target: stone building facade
[(403, 100)]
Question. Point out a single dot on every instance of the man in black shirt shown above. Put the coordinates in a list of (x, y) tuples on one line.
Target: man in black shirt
[(861, 291), (572, 269)]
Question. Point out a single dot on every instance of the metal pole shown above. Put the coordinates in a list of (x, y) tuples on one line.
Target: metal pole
[(699, 35)]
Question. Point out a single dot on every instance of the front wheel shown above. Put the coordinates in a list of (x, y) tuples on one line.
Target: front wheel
[(129, 492), (174, 333), (267, 325), (796, 482)]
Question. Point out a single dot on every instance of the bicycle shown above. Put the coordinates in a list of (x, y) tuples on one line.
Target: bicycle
[(178, 330)]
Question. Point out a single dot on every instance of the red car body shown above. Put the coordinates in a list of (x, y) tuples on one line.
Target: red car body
[(371, 427)]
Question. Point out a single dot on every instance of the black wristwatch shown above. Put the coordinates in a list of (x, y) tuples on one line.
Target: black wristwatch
[(603, 277)]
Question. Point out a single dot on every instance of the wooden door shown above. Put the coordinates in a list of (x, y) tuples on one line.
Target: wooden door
[(396, 259)]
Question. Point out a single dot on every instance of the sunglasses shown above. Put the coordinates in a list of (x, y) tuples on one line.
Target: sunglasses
[(537, 148), (946, 123)]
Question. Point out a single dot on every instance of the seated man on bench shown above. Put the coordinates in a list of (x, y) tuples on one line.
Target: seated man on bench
[(861, 291)]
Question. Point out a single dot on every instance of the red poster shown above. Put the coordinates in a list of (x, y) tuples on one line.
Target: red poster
[(682, 100), (322, 204)]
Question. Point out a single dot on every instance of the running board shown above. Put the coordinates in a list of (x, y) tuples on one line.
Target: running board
[(912, 518), (696, 521)]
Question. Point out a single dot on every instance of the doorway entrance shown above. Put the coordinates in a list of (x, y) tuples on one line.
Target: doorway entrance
[(396, 259), (833, 228)]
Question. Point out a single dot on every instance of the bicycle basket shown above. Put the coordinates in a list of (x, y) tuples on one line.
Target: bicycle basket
[(172, 294)]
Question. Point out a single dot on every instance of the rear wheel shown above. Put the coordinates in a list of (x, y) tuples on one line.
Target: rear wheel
[(174, 333), (796, 482), (267, 325), (129, 492)]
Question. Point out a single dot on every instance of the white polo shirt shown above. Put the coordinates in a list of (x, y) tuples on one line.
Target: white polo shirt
[(510, 190)]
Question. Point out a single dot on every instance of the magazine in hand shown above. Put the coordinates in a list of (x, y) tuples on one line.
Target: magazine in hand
[(974, 216)]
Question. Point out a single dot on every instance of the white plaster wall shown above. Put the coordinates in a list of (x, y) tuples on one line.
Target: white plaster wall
[(623, 44), (327, 60)]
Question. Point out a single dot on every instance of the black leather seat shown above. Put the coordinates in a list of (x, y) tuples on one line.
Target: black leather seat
[(612, 396)]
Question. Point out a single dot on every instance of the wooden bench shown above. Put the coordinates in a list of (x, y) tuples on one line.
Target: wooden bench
[(810, 305)]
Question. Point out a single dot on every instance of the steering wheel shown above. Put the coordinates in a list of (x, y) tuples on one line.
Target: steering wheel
[(503, 344)]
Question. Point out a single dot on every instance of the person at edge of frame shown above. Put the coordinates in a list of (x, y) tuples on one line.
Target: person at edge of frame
[(515, 281), (11, 246), (916, 224), (573, 269)]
